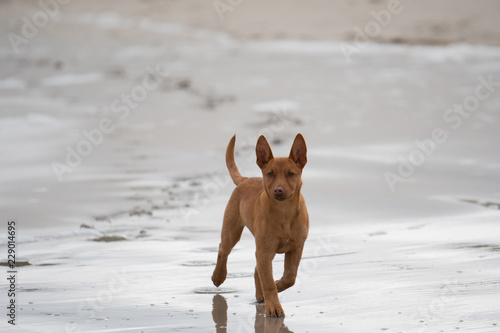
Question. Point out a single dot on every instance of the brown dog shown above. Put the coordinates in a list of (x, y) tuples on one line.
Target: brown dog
[(274, 211)]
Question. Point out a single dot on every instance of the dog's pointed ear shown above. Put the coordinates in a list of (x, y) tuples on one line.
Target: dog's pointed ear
[(298, 153), (263, 151)]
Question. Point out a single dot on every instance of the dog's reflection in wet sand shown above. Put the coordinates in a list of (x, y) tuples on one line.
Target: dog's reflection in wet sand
[(262, 324)]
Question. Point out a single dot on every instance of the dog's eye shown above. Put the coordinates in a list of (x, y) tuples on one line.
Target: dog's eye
[(270, 174), (291, 174)]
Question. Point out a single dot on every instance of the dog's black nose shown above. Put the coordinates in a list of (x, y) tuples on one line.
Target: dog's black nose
[(278, 190)]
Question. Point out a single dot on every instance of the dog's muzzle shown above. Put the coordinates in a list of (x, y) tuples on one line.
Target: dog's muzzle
[(279, 193)]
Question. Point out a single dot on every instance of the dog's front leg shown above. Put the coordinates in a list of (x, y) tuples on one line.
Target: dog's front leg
[(292, 260), (265, 270), (258, 287)]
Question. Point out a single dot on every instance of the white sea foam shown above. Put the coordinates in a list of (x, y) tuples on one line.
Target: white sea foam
[(276, 105), (32, 101), (31, 120), (459, 52), (12, 83), (70, 79), (19, 239)]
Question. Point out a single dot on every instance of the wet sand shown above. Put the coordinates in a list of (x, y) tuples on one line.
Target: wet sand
[(123, 237)]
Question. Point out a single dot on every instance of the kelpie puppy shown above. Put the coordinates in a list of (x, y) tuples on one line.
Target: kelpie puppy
[(274, 211)]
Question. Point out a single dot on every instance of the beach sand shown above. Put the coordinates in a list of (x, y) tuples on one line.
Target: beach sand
[(114, 120)]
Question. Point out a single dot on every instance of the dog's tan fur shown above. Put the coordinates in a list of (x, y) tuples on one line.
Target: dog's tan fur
[(274, 211)]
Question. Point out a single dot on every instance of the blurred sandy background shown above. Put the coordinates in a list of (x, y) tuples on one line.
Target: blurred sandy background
[(423, 21)]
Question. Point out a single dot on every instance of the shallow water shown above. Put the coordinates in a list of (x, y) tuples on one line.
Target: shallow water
[(127, 240)]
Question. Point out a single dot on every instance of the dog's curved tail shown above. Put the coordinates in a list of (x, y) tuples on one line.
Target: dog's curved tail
[(231, 164)]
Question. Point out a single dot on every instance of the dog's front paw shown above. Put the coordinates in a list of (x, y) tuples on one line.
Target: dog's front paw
[(258, 293), (219, 276), (274, 309)]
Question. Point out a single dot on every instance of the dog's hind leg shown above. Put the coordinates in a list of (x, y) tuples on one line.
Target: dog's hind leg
[(232, 227)]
